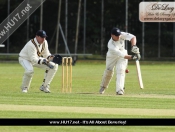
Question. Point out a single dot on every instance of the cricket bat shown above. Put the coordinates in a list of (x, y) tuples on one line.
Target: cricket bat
[(139, 74)]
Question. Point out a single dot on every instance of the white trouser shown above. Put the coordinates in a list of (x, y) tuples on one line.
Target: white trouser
[(28, 67), (121, 65)]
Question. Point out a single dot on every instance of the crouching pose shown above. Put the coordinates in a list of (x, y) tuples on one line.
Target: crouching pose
[(35, 53), (117, 57)]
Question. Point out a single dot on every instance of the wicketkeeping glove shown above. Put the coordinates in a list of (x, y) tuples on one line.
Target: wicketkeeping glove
[(57, 59), (135, 49), (47, 63)]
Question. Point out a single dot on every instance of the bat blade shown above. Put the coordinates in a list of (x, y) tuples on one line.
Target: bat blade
[(139, 74)]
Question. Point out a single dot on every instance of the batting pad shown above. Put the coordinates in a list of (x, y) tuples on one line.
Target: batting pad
[(106, 78)]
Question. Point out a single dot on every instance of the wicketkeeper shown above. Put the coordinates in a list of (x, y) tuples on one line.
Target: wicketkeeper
[(117, 56), (36, 53)]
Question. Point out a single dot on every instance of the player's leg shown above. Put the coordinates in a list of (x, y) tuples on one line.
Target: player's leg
[(48, 77), (108, 73), (27, 77), (120, 75)]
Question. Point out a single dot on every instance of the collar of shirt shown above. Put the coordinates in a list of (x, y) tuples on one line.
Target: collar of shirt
[(37, 42)]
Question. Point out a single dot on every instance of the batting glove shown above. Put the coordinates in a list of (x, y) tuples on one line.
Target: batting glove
[(136, 57), (135, 49)]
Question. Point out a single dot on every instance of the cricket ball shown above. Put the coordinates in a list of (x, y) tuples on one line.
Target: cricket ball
[(127, 71)]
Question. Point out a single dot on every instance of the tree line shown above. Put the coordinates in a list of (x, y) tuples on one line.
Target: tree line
[(114, 15)]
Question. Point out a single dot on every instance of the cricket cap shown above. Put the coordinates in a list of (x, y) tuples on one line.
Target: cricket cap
[(41, 33), (116, 31)]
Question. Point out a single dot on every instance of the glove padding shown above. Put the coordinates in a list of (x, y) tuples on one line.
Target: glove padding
[(136, 57), (135, 49), (47, 63), (57, 59)]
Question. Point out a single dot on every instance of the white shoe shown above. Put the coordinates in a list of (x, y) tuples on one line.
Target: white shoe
[(120, 92), (102, 90), (45, 89), (24, 90)]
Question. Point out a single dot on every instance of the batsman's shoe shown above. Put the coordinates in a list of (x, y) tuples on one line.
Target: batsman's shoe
[(45, 89), (102, 90), (24, 90), (120, 92)]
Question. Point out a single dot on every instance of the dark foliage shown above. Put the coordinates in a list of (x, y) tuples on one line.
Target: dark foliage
[(114, 16)]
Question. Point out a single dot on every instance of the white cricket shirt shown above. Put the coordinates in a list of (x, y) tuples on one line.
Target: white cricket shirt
[(117, 48), (29, 51)]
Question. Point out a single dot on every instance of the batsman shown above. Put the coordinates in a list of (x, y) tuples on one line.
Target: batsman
[(117, 57)]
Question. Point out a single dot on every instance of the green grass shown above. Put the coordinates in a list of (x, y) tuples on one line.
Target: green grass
[(156, 100)]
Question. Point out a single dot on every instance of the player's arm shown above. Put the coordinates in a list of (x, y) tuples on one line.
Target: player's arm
[(125, 56), (134, 48), (32, 52), (132, 57), (133, 41), (57, 59), (130, 37), (114, 50)]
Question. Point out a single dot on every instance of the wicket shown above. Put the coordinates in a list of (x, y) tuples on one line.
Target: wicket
[(67, 74)]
